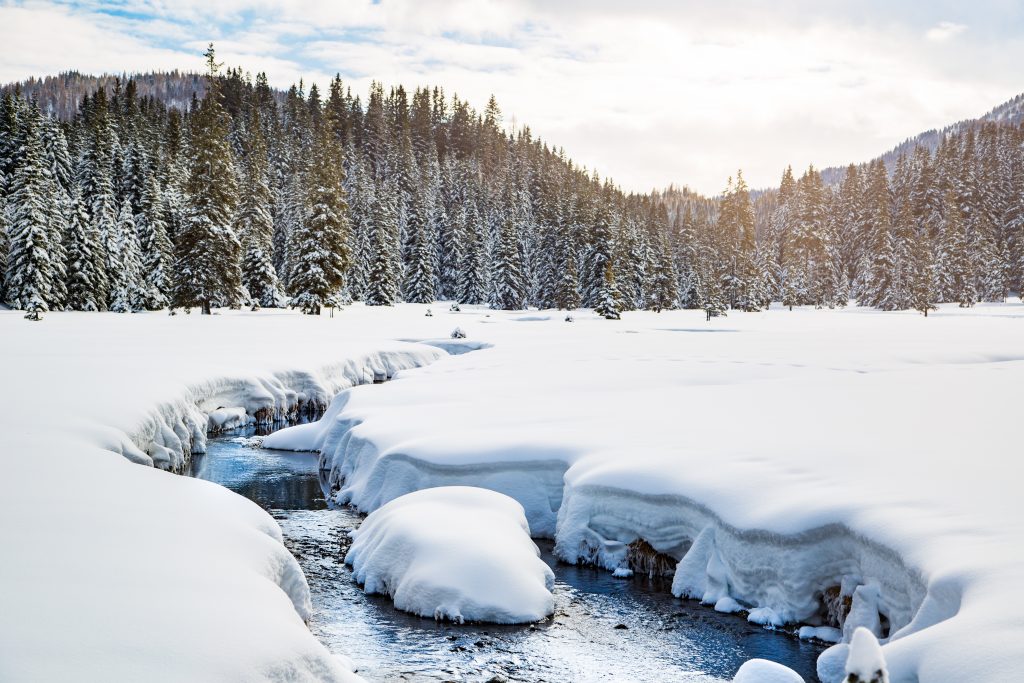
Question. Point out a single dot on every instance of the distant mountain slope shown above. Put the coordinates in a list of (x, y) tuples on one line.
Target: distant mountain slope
[(61, 95), (1008, 113)]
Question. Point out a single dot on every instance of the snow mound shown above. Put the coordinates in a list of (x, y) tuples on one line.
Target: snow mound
[(866, 663), (454, 552), (763, 671)]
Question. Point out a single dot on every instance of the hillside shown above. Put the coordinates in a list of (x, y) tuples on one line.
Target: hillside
[(1010, 112)]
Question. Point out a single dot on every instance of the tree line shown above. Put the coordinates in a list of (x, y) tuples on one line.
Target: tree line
[(252, 197)]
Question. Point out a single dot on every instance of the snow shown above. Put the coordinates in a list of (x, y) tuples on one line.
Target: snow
[(115, 571), (454, 552), (865, 663), (825, 633), (776, 455), (763, 671)]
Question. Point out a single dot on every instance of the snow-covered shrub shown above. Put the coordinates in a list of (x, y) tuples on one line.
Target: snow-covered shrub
[(458, 333), (569, 318), (455, 308), (429, 313)]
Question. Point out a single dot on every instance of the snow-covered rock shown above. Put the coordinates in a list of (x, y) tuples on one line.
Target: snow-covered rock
[(454, 552), (763, 671)]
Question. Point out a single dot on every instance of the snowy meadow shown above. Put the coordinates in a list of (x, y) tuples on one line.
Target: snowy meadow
[(817, 471)]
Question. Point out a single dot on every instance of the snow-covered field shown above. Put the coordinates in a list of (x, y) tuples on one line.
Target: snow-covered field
[(860, 459), (802, 465)]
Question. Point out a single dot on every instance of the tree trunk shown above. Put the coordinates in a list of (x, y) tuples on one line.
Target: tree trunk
[(206, 307)]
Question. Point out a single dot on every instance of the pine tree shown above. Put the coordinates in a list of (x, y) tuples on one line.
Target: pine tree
[(128, 289), (254, 223), (86, 272), (472, 282), (421, 248), (607, 305), (956, 262), (208, 254), (508, 284), (383, 263), (31, 269), (321, 243)]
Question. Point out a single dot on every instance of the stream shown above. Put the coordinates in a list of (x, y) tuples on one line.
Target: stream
[(604, 628)]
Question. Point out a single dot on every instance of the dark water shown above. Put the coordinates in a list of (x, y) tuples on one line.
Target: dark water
[(664, 639)]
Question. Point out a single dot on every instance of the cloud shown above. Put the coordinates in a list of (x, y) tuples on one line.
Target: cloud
[(654, 93), (944, 30)]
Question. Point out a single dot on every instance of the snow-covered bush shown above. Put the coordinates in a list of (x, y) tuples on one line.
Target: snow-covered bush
[(458, 333), (865, 663)]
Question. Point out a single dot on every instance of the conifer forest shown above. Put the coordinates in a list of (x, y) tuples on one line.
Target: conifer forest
[(247, 196)]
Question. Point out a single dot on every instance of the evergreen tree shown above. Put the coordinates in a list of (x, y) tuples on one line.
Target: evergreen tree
[(321, 243), (607, 305), (128, 290), (86, 271), (254, 223), (383, 263), (31, 268), (208, 254)]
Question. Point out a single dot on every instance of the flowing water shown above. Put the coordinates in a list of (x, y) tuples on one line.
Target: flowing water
[(603, 628)]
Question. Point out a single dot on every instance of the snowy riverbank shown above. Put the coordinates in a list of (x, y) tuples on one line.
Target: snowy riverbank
[(803, 466), (114, 571)]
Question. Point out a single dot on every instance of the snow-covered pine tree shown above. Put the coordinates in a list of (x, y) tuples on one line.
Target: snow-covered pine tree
[(921, 293), (472, 280), (599, 254), (508, 283), (956, 263), (254, 223), (383, 263), (607, 305), (420, 247), (31, 269), (86, 272), (128, 288), (663, 293), (320, 244), (207, 252)]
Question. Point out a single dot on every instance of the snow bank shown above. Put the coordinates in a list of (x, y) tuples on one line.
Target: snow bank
[(763, 671), (113, 571), (456, 553), (835, 469)]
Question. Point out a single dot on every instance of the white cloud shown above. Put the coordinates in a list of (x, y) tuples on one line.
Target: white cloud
[(944, 30), (652, 94)]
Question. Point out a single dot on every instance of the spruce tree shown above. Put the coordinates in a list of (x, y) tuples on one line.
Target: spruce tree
[(607, 305), (320, 247), (383, 262), (86, 274), (207, 252), (254, 223), (128, 289), (31, 268)]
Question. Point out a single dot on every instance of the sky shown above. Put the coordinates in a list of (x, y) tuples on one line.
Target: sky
[(647, 92)]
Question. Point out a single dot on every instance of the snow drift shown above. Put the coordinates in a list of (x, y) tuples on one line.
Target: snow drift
[(454, 552), (113, 571), (828, 469)]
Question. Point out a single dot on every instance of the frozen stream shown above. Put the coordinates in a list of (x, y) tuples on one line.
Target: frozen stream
[(603, 629)]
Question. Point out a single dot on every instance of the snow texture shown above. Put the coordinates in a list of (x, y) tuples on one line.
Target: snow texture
[(763, 671), (454, 552), (865, 663), (114, 571), (816, 467)]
